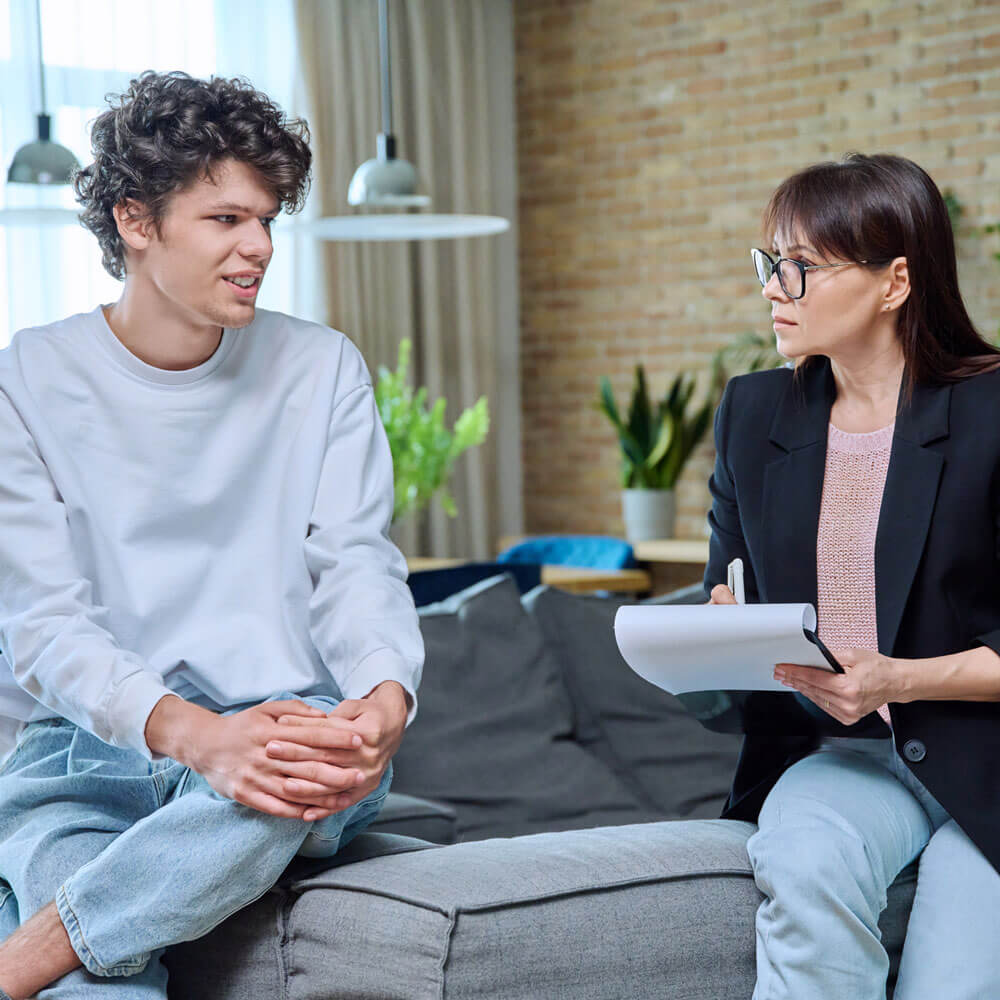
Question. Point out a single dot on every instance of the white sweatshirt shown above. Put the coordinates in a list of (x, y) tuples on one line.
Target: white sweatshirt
[(219, 533)]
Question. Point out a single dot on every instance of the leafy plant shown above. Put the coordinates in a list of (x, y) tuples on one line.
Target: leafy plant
[(954, 206), (955, 211), (423, 448), (751, 352), (656, 443)]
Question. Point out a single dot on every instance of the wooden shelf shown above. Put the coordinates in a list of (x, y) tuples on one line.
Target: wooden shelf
[(670, 563), (581, 580), (577, 579), (673, 550)]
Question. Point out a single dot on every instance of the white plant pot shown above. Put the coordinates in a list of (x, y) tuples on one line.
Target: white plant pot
[(648, 514)]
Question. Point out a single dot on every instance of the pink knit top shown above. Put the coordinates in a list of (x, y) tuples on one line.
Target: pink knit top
[(856, 466)]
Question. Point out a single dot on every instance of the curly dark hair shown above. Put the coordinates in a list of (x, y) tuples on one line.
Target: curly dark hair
[(169, 130)]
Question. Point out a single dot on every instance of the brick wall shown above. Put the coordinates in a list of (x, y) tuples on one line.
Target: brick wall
[(650, 135)]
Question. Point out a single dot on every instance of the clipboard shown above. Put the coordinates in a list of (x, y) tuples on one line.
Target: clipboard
[(720, 647)]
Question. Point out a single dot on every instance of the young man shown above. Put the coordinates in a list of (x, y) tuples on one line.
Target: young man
[(194, 564)]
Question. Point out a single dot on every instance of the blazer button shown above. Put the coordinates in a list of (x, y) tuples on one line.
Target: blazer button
[(914, 750)]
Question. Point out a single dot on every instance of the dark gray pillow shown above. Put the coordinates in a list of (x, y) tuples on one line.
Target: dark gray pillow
[(493, 736), (408, 816), (643, 733)]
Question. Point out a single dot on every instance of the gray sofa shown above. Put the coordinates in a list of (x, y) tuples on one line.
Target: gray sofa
[(550, 834)]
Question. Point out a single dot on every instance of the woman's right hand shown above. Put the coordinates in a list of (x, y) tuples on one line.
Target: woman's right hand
[(721, 594)]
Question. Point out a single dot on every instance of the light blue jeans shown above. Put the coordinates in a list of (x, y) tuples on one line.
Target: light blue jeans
[(137, 855), (834, 833)]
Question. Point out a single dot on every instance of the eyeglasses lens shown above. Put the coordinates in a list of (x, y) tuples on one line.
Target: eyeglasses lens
[(764, 266), (790, 277)]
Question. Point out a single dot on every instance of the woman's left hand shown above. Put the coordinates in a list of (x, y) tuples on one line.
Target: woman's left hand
[(869, 681)]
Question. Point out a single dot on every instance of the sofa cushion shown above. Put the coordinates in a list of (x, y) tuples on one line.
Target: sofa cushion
[(494, 734), (657, 909), (644, 734), (242, 958)]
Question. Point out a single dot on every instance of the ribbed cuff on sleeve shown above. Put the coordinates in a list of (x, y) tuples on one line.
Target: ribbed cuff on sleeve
[(130, 708), (383, 665)]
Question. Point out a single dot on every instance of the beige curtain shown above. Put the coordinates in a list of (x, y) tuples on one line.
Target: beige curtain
[(452, 96)]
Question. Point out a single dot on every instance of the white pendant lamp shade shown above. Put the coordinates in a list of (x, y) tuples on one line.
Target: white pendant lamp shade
[(411, 226), (389, 182)]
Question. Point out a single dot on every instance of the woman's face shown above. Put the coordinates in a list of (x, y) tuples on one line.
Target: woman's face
[(840, 311)]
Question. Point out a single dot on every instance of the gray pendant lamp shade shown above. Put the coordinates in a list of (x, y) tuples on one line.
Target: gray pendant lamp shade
[(390, 182), (386, 180), (42, 161)]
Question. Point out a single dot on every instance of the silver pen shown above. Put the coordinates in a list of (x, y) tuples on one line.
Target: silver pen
[(734, 580)]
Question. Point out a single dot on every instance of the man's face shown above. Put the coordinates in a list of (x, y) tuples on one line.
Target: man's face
[(212, 232)]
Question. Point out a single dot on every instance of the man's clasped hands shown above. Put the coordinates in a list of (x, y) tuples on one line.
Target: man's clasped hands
[(287, 758)]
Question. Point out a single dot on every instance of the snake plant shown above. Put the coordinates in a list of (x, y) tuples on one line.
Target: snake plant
[(656, 442)]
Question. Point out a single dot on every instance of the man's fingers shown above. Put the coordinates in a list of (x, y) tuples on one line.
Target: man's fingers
[(278, 751), (293, 708), (320, 736), (314, 814), (298, 720), (309, 793), (350, 708), (333, 779), (273, 805), (329, 721), (295, 804)]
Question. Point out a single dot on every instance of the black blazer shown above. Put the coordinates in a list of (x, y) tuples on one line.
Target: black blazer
[(937, 571)]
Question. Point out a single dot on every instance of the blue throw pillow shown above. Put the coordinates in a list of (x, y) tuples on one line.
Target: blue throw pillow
[(592, 551)]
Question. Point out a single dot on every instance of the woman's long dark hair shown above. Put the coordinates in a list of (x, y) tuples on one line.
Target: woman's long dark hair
[(877, 208)]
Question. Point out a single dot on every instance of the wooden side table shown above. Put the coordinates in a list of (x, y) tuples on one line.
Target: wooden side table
[(673, 562)]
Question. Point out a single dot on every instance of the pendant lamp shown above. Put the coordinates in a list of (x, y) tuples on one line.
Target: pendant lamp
[(42, 162), (390, 182)]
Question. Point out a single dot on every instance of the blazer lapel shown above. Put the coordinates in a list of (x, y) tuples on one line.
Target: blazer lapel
[(911, 488), (793, 487)]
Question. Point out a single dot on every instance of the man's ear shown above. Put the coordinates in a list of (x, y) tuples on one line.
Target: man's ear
[(135, 227), (897, 289)]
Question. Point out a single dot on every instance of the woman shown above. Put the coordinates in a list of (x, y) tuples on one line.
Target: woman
[(867, 481)]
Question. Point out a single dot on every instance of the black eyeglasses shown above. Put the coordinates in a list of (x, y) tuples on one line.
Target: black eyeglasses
[(791, 273)]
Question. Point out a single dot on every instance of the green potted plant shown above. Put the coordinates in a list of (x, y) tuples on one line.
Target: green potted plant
[(423, 448), (751, 352), (656, 443)]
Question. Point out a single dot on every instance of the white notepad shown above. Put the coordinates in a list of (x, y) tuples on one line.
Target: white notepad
[(709, 647)]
